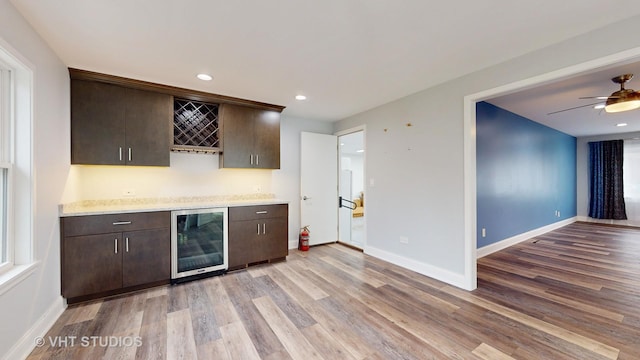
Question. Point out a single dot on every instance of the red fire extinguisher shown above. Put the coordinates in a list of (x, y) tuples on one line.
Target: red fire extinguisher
[(303, 243)]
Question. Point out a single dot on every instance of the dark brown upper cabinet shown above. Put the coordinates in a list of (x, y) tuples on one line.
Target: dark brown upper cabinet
[(115, 125), (121, 121), (251, 137)]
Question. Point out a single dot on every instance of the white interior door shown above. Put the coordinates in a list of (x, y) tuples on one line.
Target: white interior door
[(319, 186), (345, 213)]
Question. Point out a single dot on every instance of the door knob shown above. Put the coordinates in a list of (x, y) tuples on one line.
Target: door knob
[(305, 198)]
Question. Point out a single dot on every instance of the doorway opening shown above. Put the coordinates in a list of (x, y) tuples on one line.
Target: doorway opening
[(351, 188)]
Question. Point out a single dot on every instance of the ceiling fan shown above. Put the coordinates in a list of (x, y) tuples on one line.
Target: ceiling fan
[(618, 101)]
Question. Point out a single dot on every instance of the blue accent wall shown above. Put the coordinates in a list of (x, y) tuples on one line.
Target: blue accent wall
[(525, 173)]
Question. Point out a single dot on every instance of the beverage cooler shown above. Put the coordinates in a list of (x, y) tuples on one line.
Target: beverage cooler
[(199, 242)]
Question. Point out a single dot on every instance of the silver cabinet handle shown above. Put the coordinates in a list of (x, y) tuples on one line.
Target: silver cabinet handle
[(257, 159), (126, 244), (115, 241), (251, 159), (261, 212), (122, 223), (129, 154), (258, 229), (264, 228), (120, 153)]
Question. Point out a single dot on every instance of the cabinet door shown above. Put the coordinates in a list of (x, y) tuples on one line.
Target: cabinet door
[(146, 256), (242, 243), (267, 139), (148, 131), (238, 133), (91, 264), (97, 123), (273, 240)]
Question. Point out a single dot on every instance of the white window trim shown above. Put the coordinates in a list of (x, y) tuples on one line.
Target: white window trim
[(20, 155)]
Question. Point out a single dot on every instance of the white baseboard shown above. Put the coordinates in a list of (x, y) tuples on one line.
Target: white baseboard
[(503, 244), (293, 244), (419, 267), (26, 344)]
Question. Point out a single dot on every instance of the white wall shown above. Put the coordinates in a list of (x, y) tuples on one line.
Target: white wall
[(36, 299), (418, 171), (199, 175)]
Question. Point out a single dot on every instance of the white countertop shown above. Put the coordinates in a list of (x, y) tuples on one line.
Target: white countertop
[(115, 206)]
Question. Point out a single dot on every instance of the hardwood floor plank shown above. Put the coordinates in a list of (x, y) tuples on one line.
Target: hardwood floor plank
[(292, 339), (299, 276), (84, 313), (180, 341), (238, 344), (327, 345), (572, 293), (215, 349), (586, 343), (487, 352), (543, 294), (203, 319), (241, 293)]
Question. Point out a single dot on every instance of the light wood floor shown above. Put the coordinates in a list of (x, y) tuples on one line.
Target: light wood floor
[(573, 293)]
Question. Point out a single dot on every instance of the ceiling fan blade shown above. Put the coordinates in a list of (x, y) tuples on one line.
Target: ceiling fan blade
[(573, 108), (598, 97)]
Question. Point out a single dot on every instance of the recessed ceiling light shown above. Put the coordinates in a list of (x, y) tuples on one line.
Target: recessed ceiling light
[(301, 97), (205, 77), (599, 106), (621, 124), (360, 151)]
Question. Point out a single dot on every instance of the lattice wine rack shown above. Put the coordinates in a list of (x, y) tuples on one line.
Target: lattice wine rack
[(195, 126)]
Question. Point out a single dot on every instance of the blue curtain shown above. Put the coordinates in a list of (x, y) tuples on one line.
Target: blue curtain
[(606, 200)]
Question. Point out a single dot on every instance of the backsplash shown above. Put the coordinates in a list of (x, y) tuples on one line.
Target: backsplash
[(190, 175)]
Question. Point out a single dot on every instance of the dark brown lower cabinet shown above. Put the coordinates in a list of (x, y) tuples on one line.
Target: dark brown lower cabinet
[(257, 234), (91, 264), (96, 265), (146, 257)]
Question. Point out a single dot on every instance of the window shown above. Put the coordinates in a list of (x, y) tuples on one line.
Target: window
[(16, 168), (631, 179)]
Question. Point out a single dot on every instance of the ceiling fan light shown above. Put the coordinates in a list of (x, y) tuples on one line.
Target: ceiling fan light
[(623, 100)]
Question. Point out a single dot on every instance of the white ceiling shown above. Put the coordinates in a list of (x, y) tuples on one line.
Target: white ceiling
[(346, 56), (537, 103)]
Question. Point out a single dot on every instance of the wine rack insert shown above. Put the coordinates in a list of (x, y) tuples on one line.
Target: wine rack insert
[(195, 126)]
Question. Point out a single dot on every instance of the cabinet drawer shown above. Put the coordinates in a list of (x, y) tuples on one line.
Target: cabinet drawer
[(241, 213), (100, 224)]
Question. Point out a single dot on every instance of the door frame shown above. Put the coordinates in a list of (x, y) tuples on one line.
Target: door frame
[(348, 131), (469, 140)]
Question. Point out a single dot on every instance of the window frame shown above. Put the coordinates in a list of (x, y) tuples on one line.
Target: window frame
[(7, 107), (17, 157)]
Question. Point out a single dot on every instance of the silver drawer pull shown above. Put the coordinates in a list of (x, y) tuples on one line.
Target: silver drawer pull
[(126, 244), (115, 241), (264, 228), (122, 223), (258, 229), (261, 212)]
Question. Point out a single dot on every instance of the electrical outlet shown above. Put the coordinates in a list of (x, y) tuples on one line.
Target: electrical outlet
[(484, 232), (257, 189), (404, 240), (558, 213), (129, 192)]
